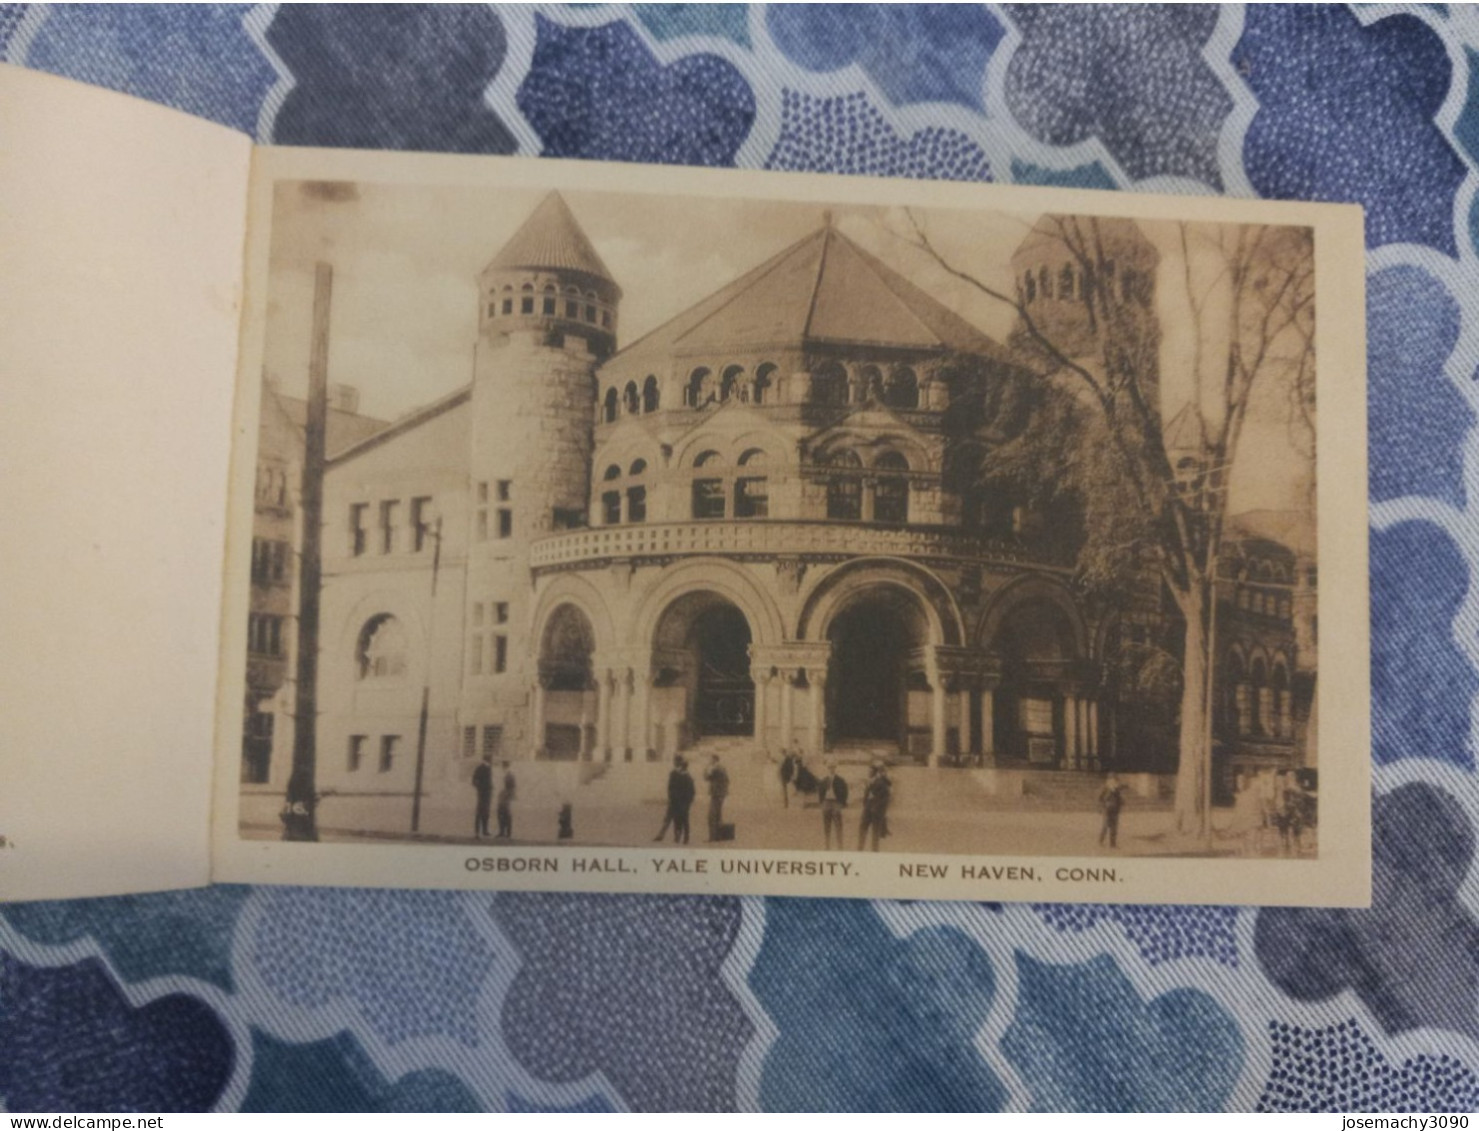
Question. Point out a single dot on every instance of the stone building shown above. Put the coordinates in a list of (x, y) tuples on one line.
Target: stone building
[(267, 738), (746, 527)]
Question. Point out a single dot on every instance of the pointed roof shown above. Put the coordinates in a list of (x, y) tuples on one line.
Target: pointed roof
[(550, 237), (822, 289)]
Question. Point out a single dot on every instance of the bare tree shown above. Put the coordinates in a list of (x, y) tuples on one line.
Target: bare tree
[(1154, 502)]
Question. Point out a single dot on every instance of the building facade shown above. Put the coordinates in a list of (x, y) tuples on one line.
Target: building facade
[(748, 525)]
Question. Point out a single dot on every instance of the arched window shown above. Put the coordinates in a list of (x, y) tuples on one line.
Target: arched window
[(730, 384), (638, 467), (381, 650), (612, 472), (611, 497), (751, 490), (891, 494), (845, 486), (590, 308), (696, 392), (526, 304), (650, 395), (630, 401), (572, 303), (764, 378), (1262, 698), (708, 489), (1283, 724), (1045, 282), (871, 381), (902, 389), (829, 385), (549, 299), (1235, 706), (1065, 281), (608, 413)]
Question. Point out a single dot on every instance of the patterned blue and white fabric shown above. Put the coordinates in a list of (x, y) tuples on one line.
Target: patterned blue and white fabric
[(282, 999)]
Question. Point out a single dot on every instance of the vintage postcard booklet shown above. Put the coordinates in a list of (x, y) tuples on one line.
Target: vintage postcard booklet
[(431, 521)]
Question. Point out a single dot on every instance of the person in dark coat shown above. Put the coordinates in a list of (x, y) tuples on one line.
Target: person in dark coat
[(876, 796), (1111, 801), (832, 796), (680, 799), (788, 774), (718, 778), (482, 782), (506, 804)]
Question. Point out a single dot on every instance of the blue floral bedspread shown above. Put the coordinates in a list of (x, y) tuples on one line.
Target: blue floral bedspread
[(287, 999)]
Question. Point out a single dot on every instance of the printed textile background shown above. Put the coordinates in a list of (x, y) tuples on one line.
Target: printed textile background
[(284, 999)]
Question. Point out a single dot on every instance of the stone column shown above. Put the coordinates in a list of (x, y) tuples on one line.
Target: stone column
[(816, 679), (938, 744), (645, 727), (1070, 722), (1093, 732), (786, 696), (603, 715), (988, 726), (536, 720), (761, 676), (623, 714), (587, 741)]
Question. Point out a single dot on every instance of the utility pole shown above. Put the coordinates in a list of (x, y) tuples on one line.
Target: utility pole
[(436, 565), (300, 811)]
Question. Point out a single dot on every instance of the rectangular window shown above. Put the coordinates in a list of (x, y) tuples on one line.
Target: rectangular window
[(549, 305), (357, 535), (526, 305), (606, 319), (505, 490), (568, 518), (751, 499), (420, 522), (500, 612), (590, 314), (611, 508), (356, 757), (482, 492), (281, 554), (505, 523), (475, 656), (636, 504), (387, 525), (492, 739), (469, 741), (508, 306), (388, 744), (500, 653), (572, 308), (708, 498), (264, 634)]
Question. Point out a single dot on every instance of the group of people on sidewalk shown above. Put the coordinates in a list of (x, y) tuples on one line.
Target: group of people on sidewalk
[(482, 783), (681, 793), (1272, 804), (832, 793)]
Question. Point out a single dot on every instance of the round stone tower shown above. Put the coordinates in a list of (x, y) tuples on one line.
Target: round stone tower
[(547, 319)]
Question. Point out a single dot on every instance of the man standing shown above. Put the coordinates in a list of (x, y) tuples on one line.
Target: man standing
[(718, 779), (680, 800), (505, 804), (832, 795), (876, 796), (1111, 801), (788, 774), (482, 782)]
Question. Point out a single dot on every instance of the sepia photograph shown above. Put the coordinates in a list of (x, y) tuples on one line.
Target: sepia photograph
[(599, 519)]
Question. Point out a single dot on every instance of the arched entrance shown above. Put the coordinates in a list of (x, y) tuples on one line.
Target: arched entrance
[(877, 642), (1031, 709), (567, 683), (702, 655)]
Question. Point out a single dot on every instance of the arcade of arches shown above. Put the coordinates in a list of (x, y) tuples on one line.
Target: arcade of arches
[(874, 680)]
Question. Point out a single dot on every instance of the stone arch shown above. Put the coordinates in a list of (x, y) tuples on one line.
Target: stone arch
[(832, 593), (725, 579), (1029, 588), (573, 589), (384, 603)]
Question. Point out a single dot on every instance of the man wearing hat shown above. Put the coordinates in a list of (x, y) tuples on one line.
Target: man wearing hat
[(680, 800), (876, 796), (832, 794)]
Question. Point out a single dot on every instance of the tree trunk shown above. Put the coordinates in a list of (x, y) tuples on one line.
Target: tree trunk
[(1194, 761)]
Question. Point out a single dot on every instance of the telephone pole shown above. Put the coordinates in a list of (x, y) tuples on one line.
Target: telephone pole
[(300, 811)]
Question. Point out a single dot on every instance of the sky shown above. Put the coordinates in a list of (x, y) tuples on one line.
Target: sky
[(406, 261)]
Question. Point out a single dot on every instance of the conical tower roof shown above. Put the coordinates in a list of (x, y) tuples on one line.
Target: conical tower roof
[(822, 289), (551, 238)]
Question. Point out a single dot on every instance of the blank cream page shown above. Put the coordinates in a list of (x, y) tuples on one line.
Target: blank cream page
[(121, 234)]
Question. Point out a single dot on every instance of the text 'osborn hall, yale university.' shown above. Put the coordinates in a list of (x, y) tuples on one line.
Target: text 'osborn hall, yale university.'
[(760, 526)]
